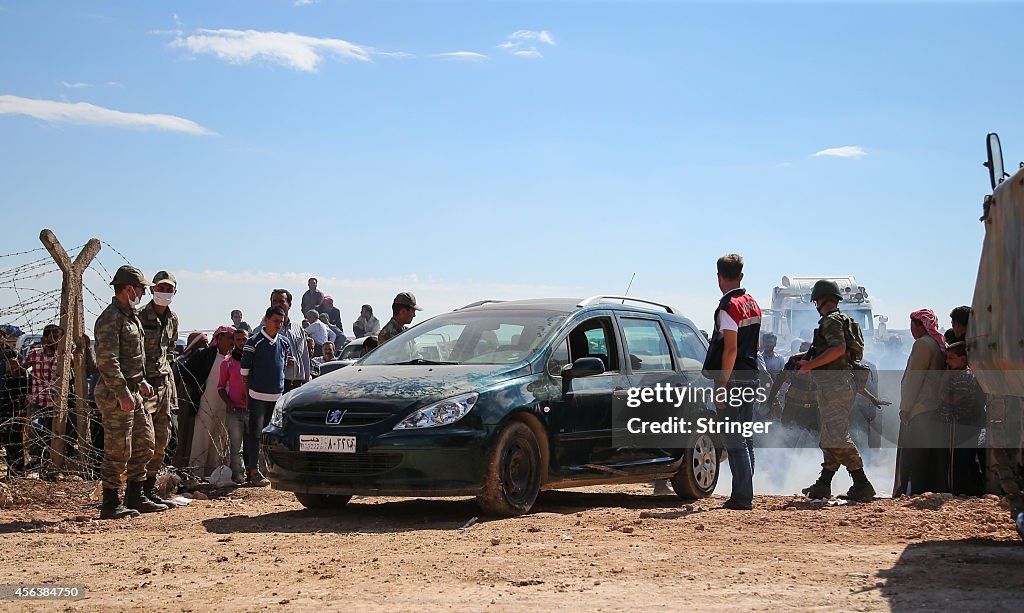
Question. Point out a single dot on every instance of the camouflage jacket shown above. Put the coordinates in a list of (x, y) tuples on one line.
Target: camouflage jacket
[(120, 353), (831, 332), (391, 329), (160, 337)]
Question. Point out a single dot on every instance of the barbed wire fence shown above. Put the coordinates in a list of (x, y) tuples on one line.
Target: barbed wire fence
[(34, 443)]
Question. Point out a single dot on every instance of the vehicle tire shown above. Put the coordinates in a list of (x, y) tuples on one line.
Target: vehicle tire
[(322, 501), (698, 475), (512, 480)]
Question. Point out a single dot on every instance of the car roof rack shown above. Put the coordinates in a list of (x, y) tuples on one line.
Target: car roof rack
[(601, 298), (477, 303)]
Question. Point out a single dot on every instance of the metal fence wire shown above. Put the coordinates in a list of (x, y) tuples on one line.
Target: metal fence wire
[(30, 299)]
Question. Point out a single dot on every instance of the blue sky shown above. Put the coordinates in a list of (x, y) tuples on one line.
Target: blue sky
[(468, 150)]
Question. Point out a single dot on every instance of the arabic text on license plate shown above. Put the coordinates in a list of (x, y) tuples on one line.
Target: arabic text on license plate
[(329, 444)]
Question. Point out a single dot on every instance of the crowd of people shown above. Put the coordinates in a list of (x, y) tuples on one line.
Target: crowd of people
[(199, 409), (204, 406)]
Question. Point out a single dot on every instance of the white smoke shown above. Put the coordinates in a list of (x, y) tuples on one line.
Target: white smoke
[(787, 459)]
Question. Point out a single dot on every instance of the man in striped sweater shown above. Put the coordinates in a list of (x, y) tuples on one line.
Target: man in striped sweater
[(264, 358)]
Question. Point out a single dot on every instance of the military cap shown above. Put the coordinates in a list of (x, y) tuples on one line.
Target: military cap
[(165, 277), (824, 288), (406, 299), (129, 275)]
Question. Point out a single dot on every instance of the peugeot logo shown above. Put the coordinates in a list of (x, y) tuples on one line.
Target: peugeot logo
[(334, 417)]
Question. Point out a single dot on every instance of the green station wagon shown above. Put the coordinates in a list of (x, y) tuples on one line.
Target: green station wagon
[(497, 400)]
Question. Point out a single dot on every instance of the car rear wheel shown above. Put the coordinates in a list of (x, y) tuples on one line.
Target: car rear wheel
[(322, 501), (513, 474), (698, 475)]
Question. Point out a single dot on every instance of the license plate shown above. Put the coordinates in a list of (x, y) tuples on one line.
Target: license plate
[(327, 444)]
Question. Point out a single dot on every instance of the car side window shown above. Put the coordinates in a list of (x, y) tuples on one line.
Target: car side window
[(646, 343), (689, 350), (591, 339), (559, 358)]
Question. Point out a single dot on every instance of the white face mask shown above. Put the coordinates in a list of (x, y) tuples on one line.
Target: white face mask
[(162, 298), (134, 298)]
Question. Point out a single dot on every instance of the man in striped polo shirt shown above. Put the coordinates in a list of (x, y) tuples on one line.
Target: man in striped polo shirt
[(732, 364)]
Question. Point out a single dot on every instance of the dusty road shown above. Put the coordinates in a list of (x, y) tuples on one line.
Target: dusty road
[(609, 548)]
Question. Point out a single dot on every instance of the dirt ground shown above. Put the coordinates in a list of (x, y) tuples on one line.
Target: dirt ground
[(607, 548)]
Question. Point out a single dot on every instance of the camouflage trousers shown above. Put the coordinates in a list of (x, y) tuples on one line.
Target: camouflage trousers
[(127, 438), (159, 406), (836, 396)]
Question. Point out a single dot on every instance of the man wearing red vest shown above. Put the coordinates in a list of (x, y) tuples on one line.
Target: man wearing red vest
[(732, 364)]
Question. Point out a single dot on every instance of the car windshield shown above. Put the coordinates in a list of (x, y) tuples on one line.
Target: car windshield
[(492, 336), (351, 351), (862, 317), (802, 322)]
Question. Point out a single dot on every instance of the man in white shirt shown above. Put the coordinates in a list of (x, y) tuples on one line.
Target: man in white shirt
[(318, 331), (367, 324)]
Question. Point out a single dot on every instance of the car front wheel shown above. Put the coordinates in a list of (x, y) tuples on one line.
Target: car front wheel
[(513, 474), (322, 501), (698, 475)]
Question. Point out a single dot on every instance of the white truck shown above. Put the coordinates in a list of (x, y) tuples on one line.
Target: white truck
[(793, 316)]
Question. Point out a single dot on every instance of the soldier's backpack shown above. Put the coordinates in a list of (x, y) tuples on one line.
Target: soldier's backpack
[(855, 351), (854, 340)]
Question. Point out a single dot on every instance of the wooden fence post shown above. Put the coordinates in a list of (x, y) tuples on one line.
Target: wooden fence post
[(72, 321)]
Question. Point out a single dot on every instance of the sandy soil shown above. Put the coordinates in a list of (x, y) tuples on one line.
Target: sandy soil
[(607, 548)]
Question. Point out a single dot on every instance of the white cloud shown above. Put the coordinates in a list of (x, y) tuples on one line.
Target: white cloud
[(517, 43), (527, 35), (530, 53), (849, 151), (303, 53), (82, 85), (471, 56), (83, 113), (401, 55), (177, 31), (305, 2)]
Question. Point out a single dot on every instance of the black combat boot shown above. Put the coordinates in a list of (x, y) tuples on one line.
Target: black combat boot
[(861, 488), (135, 499), (822, 488), (112, 508), (149, 491)]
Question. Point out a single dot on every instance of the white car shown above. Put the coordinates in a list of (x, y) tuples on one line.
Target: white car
[(349, 354)]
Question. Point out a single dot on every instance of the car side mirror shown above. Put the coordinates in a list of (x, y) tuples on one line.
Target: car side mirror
[(994, 163), (583, 367)]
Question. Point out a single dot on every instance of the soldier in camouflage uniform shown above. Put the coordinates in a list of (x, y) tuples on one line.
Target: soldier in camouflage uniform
[(829, 359), (160, 327), (127, 427), (403, 310)]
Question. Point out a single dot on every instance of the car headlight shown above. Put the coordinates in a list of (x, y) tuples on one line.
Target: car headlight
[(441, 413), (277, 417)]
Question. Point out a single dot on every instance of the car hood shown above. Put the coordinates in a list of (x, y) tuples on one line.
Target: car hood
[(400, 387)]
